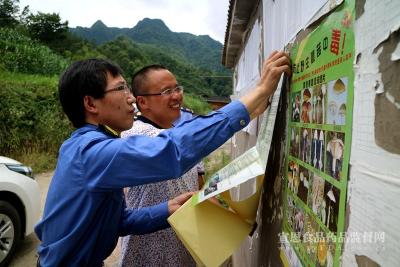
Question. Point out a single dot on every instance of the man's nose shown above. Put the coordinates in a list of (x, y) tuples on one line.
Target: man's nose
[(131, 99), (176, 95)]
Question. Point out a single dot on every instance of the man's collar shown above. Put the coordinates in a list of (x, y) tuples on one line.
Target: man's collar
[(109, 131), (147, 120)]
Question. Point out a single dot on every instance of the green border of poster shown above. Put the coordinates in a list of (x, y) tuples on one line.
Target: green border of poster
[(320, 116)]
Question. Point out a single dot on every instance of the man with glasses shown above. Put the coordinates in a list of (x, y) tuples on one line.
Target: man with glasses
[(85, 211), (159, 98)]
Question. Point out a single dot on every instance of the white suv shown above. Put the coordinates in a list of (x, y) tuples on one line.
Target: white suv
[(19, 205)]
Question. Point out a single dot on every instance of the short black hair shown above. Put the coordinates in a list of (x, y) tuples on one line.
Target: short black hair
[(84, 78), (139, 78)]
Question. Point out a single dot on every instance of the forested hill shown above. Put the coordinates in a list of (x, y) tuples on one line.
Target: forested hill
[(200, 51), (35, 48)]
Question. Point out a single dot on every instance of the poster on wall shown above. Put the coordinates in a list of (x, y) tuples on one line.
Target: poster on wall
[(319, 139)]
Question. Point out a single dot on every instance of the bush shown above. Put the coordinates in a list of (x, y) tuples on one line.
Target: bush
[(21, 54), (31, 116)]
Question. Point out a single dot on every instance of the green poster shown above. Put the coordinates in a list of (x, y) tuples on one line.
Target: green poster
[(319, 139)]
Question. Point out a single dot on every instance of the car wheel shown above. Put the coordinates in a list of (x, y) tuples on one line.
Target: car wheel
[(10, 231)]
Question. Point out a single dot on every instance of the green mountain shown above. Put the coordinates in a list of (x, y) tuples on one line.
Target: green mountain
[(200, 51), (132, 56)]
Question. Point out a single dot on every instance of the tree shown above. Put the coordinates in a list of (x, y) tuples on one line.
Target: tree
[(23, 17), (48, 29), (9, 13)]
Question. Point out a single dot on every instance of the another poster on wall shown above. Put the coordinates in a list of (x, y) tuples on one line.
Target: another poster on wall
[(319, 139)]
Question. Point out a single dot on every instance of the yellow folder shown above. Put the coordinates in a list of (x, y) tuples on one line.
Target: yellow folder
[(211, 233)]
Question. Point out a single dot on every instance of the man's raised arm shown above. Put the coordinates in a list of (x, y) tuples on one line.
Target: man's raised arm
[(256, 101)]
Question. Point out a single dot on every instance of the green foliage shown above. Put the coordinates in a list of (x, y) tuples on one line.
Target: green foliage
[(40, 161), (31, 116), (48, 29), (132, 56), (197, 104), (79, 49), (128, 55), (9, 13), (21, 54)]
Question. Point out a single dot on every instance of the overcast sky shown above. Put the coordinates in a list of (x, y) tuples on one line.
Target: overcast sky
[(198, 17)]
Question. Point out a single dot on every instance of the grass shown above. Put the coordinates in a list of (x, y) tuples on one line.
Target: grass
[(31, 79), (39, 161)]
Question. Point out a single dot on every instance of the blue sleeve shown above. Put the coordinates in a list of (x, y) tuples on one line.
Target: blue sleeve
[(144, 220), (137, 160)]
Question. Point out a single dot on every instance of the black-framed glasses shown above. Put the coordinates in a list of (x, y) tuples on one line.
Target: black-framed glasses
[(123, 87), (167, 92)]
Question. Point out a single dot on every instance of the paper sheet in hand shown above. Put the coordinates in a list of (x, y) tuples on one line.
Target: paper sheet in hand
[(247, 166)]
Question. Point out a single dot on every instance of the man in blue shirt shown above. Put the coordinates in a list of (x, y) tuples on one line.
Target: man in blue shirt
[(85, 211)]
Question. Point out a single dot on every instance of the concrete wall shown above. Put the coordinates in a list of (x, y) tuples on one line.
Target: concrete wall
[(373, 201)]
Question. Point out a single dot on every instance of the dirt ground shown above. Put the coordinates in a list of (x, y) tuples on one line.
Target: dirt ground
[(26, 252)]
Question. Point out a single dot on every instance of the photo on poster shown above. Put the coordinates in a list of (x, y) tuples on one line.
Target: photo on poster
[(210, 189), (325, 251), (306, 106), (214, 180), (295, 142), (212, 185), (316, 198), (319, 103), (295, 218), (305, 145), (290, 211), (299, 221), (337, 99), (296, 107), (293, 176), (317, 149), (334, 154), (330, 216), (304, 184), (310, 237)]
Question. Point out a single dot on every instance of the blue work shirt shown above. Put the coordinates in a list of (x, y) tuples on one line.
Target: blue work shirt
[(186, 114), (85, 210)]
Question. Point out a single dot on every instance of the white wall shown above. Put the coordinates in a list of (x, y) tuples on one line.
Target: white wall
[(374, 184), (374, 178)]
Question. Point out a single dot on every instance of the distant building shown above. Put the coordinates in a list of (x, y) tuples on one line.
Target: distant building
[(218, 102)]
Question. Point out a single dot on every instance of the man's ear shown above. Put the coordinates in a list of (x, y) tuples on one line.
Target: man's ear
[(141, 101), (89, 104)]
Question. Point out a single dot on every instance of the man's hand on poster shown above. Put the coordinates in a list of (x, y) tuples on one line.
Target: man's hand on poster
[(257, 101)]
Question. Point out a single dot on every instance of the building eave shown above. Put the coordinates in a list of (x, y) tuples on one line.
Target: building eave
[(239, 15)]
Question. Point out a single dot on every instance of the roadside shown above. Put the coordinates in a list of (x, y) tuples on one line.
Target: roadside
[(26, 252)]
